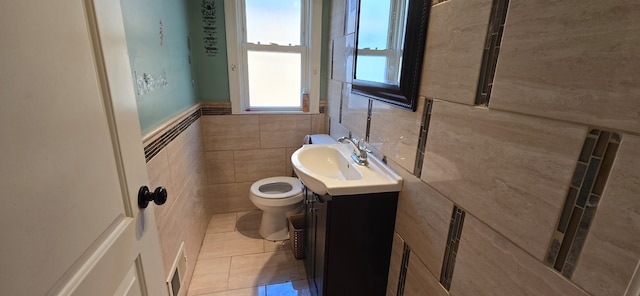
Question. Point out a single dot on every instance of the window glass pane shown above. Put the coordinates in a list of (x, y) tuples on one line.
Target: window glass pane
[(273, 21), (372, 68), (373, 30), (274, 79)]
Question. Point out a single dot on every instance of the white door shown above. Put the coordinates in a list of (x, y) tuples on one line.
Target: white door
[(71, 159)]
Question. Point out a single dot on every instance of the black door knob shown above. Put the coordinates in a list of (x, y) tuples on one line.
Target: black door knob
[(159, 196)]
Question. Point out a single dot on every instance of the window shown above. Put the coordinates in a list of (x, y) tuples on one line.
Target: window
[(273, 50), (381, 33)]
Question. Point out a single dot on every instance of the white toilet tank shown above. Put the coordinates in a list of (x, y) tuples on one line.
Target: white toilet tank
[(318, 139)]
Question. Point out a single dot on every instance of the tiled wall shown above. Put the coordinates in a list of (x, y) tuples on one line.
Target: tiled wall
[(564, 68), (208, 159), (241, 149), (175, 160)]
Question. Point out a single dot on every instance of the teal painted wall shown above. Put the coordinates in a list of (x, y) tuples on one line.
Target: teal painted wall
[(210, 72), (209, 69), (147, 55), (183, 38)]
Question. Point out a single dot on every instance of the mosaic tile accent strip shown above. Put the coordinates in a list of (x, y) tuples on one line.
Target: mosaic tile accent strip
[(587, 184), (406, 252), (213, 110), (491, 50), (422, 141), (158, 144), (453, 241), (226, 110), (369, 113)]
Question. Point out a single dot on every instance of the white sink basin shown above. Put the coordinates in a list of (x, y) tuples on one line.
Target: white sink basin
[(329, 169)]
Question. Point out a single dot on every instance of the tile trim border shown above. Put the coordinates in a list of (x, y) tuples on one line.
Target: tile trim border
[(158, 138), (404, 267), (491, 51), (153, 148), (587, 185), (422, 140), (453, 241)]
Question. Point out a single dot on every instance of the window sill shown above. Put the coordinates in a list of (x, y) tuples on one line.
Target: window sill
[(275, 112)]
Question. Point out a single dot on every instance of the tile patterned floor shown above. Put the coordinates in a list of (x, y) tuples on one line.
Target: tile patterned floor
[(236, 261)]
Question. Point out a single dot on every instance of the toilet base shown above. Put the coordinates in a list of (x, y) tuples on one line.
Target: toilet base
[(275, 226)]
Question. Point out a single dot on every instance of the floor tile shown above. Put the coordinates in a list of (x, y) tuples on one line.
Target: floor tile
[(301, 269), (254, 291), (293, 288), (261, 269), (236, 261), (274, 246), (209, 276), (248, 220), (222, 223), (227, 244)]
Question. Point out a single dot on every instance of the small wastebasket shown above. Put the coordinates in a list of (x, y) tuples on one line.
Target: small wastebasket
[(296, 235)]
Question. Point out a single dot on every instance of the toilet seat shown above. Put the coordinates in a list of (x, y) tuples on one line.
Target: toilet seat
[(277, 188)]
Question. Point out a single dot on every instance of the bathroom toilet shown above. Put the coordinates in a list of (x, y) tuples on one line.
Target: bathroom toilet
[(278, 198), (281, 197)]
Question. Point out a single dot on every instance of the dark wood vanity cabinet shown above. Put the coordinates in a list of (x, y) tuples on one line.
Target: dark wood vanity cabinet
[(348, 242)]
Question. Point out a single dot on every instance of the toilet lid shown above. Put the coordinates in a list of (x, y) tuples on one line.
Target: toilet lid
[(277, 187)]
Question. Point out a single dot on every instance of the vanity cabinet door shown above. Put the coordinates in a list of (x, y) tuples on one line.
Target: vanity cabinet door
[(349, 243), (310, 236), (322, 207)]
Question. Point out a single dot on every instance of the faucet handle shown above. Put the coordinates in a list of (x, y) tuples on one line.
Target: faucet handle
[(362, 146)]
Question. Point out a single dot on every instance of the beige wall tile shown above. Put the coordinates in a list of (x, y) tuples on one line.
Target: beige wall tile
[(571, 60), (319, 123), (342, 58), (226, 198), (186, 221), (334, 93), (337, 130), (421, 282), (253, 165), (511, 171), (289, 168), (396, 132), (336, 25), (260, 269), (158, 171), (185, 157), (351, 18), (612, 248), (210, 276), (489, 264), (456, 38), (220, 167), (231, 132), (397, 248), (354, 113), (279, 131), (180, 168), (423, 219)]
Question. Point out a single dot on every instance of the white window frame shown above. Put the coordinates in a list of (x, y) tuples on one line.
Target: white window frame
[(236, 56), (395, 43)]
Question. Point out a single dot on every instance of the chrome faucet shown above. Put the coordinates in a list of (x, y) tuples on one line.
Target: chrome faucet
[(359, 154)]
